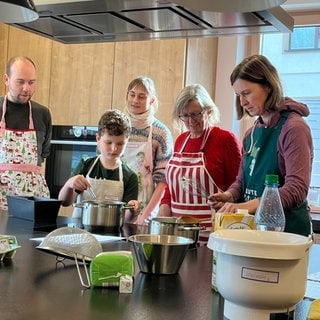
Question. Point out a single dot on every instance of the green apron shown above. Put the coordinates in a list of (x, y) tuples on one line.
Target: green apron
[(261, 158)]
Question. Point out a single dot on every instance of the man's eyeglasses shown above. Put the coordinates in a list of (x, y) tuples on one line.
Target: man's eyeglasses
[(194, 116)]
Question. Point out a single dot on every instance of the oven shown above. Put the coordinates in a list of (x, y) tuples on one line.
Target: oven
[(69, 144)]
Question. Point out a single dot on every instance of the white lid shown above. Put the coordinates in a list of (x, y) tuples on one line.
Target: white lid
[(259, 244)]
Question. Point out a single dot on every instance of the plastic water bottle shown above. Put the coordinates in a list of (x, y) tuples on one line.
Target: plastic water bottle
[(270, 215)]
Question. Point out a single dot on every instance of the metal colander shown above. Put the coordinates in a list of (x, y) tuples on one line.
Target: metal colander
[(74, 243)]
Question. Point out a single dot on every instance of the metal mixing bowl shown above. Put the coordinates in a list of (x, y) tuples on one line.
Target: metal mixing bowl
[(160, 254)]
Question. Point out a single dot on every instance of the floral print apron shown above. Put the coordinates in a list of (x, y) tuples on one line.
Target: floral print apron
[(138, 157), (19, 173)]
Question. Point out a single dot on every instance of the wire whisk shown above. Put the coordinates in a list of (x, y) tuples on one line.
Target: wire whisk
[(195, 187)]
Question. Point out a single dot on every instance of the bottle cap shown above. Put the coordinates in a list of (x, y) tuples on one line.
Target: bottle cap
[(272, 179)]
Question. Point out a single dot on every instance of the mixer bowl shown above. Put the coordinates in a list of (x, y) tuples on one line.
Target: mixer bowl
[(259, 272)]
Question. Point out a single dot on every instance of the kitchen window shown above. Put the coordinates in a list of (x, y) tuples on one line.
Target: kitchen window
[(300, 74), (305, 38)]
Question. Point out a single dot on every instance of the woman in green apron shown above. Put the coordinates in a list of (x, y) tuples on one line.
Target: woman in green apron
[(279, 143)]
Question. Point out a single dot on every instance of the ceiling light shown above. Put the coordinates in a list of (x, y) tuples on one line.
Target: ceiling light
[(229, 5), (17, 11)]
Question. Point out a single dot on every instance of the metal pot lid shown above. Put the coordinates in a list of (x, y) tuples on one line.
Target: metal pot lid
[(165, 219), (100, 203), (177, 220)]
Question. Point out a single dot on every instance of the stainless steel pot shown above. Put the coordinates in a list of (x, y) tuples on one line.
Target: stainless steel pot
[(102, 215), (174, 226)]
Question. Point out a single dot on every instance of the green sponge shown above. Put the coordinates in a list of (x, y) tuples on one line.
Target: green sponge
[(107, 268)]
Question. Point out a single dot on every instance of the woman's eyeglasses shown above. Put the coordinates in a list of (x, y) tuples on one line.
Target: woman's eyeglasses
[(194, 116)]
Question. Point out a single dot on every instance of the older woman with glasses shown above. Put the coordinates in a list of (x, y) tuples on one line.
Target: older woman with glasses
[(206, 157)]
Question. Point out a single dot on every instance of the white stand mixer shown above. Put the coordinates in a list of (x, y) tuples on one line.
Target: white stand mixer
[(259, 273)]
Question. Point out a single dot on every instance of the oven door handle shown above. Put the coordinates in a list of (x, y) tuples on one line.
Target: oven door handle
[(74, 142)]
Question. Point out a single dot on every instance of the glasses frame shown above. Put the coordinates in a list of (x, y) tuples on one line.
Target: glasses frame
[(194, 116)]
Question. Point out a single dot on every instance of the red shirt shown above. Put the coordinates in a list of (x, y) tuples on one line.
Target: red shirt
[(222, 155)]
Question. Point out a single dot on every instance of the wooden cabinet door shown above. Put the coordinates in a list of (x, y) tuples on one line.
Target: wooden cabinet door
[(163, 61), (81, 82), (4, 34), (201, 62), (39, 50)]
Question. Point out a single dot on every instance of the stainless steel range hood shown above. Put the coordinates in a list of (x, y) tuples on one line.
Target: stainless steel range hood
[(127, 20)]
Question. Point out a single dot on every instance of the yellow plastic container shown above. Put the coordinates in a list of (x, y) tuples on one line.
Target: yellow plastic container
[(224, 220), (314, 312)]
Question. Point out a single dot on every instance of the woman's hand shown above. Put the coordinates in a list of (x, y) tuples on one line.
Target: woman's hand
[(231, 207), (219, 200), (141, 219), (135, 210), (131, 214)]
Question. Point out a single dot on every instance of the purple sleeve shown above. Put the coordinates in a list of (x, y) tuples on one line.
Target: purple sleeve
[(295, 160)]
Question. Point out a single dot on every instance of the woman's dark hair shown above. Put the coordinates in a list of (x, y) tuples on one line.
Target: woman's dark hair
[(258, 69)]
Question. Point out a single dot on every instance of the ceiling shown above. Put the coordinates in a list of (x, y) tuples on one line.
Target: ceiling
[(81, 21), (298, 5)]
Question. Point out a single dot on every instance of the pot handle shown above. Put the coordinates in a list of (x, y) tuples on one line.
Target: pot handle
[(185, 228), (147, 220), (78, 205), (127, 207)]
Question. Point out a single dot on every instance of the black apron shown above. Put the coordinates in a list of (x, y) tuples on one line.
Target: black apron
[(261, 158)]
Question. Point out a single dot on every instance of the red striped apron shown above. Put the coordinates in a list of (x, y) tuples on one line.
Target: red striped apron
[(190, 183)]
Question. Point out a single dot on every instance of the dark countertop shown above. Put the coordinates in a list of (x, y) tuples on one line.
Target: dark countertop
[(34, 286)]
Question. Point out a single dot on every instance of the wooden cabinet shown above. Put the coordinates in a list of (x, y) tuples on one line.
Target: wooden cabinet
[(4, 30), (81, 82)]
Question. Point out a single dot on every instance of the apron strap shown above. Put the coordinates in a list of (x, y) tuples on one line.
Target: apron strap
[(149, 150), (204, 139), (96, 161), (4, 110), (20, 167)]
